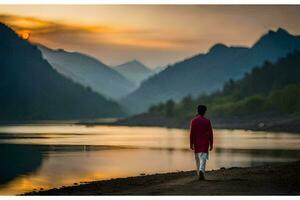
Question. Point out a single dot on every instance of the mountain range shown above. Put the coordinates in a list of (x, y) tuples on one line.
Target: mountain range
[(41, 83), (32, 89), (88, 72), (205, 73), (267, 99), (134, 71)]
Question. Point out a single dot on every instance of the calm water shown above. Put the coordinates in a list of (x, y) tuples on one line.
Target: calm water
[(47, 156)]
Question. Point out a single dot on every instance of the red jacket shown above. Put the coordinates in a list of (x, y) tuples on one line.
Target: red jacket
[(201, 136)]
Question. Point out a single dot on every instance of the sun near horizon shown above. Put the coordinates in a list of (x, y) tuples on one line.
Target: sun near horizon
[(156, 35), (24, 35)]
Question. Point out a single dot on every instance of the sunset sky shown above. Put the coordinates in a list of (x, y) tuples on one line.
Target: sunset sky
[(155, 35)]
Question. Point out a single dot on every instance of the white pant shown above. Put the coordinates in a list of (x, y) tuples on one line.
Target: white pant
[(201, 159)]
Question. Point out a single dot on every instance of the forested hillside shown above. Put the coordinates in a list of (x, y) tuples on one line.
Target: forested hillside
[(206, 73), (271, 88)]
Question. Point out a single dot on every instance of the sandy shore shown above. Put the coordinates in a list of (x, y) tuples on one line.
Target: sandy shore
[(272, 179)]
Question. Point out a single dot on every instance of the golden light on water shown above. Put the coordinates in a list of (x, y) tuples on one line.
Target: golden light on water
[(74, 153)]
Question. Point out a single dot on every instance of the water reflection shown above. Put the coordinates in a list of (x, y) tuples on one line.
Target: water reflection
[(278, 153), (47, 156), (18, 160)]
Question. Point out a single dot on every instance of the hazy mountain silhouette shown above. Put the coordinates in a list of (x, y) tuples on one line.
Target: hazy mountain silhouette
[(205, 73), (135, 71), (89, 72), (31, 89), (270, 90), (159, 69)]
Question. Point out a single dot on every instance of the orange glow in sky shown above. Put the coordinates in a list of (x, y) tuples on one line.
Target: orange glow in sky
[(154, 34)]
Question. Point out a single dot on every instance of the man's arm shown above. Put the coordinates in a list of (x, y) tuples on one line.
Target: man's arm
[(211, 136), (191, 136)]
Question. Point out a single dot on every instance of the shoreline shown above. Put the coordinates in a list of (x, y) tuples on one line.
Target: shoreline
[(278, 124), (272, 124), (268, 179)]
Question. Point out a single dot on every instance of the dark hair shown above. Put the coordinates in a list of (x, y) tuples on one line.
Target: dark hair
[(201, 109)]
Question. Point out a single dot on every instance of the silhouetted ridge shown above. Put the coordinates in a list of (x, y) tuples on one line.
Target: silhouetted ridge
[(5, 29), (271, 90), (218, 48), (282, 31), (205, 73), (134, 71), (135, 62), (278, 32), (281, 37), (31, 89), (89, 72)]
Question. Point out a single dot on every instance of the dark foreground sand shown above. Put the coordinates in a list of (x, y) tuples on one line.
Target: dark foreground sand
[(274, 179)]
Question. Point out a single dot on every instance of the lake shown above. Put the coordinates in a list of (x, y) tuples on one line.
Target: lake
[(52, 155)]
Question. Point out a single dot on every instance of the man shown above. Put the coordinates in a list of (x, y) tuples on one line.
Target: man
[(201, 139)]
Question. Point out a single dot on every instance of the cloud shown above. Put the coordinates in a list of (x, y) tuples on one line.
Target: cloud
[(50, 31), (111, 44), (38, 26)]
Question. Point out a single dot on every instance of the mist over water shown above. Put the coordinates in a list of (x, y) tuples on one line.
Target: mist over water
[(47, 156)]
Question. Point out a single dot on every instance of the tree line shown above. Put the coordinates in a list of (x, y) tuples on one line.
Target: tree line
[(270, 88)]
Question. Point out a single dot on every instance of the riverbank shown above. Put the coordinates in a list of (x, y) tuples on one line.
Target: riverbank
[(266, 123), (271, 179)]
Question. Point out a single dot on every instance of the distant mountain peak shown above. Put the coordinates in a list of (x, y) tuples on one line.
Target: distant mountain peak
[(279, 37), (137, 62), (88, 71), (134, 71), (62, 50), (133, 62), (279, 32), (205, 73), (134, 65), (282, 31), (218, 47)]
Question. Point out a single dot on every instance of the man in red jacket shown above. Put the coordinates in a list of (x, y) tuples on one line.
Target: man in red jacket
[(201, 139)]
